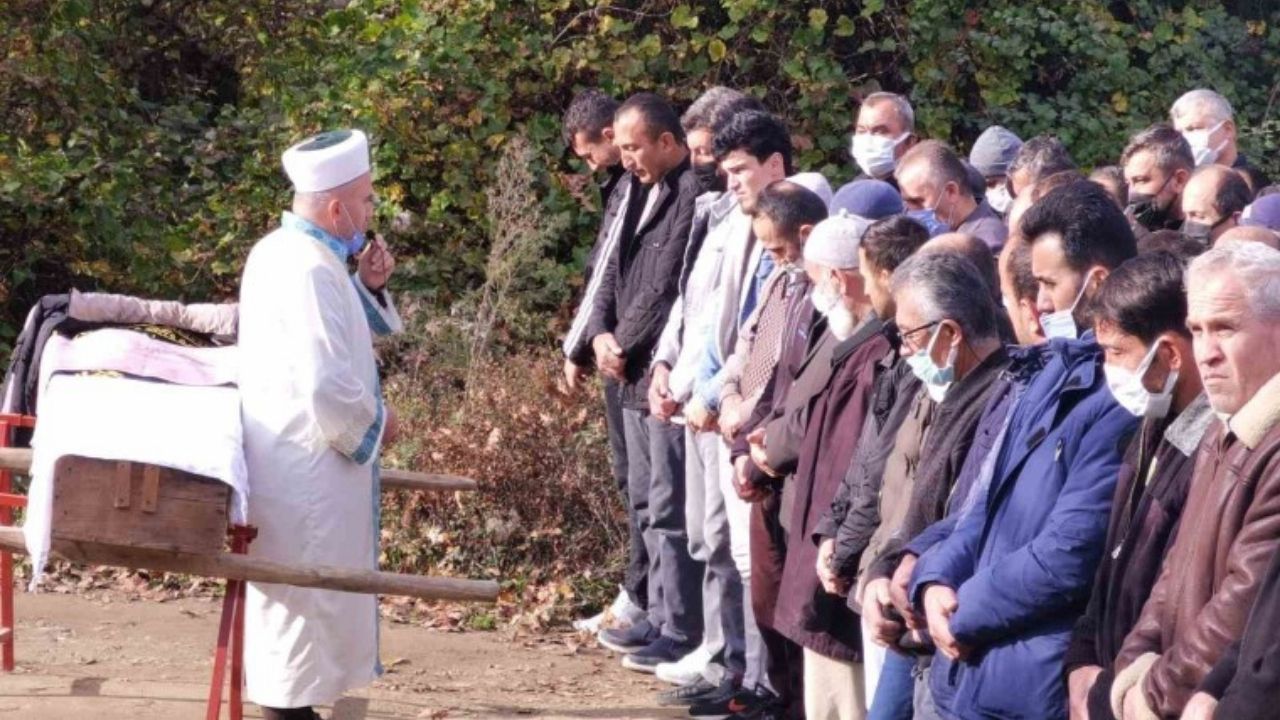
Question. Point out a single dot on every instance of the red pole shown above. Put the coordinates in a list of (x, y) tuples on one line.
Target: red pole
[(8, 423)]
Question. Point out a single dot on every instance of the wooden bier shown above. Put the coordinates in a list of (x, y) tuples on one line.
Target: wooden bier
[(246, 567), (18, 460)]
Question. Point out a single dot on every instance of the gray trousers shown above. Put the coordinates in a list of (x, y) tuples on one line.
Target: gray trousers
[(636, 580), (656, 486), (709, 543), (924, 707)]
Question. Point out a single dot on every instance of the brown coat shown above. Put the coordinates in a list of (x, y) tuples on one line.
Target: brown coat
[(1229, 532)]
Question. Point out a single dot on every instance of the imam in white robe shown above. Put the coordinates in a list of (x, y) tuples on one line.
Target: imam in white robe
[(313, 421)]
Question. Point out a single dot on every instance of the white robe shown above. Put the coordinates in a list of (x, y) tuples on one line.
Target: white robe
[(313, 421)]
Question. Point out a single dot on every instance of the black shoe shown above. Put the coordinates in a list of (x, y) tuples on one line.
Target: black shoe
[(736, 703), (662, 650), (695, 692), (768, 710), (630, 639)]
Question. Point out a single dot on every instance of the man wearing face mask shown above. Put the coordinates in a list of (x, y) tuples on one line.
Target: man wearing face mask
[(934, 183), (1212, 202), (952, 345), (1207, 121), (837, 401), (314, 421), (1000, 593), (1157, 163), (1230, 526), (1072, 256), (1141, 323), (1040, 157), (842, 532), (884, 131), (992, 154), (680, 347)]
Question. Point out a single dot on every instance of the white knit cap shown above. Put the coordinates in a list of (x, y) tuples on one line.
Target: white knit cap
[(815, 183), (326, 161), (834, 242)]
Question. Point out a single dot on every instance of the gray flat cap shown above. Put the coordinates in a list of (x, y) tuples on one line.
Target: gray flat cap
[(994, 150)]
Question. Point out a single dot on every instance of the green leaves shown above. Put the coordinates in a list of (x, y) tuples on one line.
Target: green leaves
[(682, 18)]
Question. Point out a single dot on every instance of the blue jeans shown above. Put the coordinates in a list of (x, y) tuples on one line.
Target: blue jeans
[(895, 689)]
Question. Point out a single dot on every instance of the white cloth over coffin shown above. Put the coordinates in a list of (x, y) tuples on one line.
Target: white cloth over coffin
[(313, 419), (191, 428)]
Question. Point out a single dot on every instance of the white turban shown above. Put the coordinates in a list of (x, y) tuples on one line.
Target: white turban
[(815, 183), (327, 160), (834, 242)]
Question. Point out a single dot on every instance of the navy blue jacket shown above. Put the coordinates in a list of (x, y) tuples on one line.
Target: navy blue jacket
[(1023, 556)]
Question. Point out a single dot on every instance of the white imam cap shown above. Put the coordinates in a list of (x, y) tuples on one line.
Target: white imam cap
[(834, 242), (326, 161)]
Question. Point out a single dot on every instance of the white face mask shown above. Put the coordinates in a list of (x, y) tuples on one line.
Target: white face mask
[(1199, 142), (1000, 200), (1062, 324), (874, 153), (1127, 388)]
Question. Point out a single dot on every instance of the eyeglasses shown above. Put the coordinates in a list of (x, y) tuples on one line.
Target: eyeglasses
[(904, 334)]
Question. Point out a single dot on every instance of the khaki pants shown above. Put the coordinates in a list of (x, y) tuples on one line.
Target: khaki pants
[(833, 689)]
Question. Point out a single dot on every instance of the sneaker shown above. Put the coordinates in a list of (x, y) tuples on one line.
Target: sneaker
[(695, 692), (630, 639), (687, 669), (662, 650), (621, 613)]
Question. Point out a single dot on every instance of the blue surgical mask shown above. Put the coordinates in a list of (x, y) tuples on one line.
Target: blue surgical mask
[(937, 380), (1062, 324), (928, 217), (355, 241)]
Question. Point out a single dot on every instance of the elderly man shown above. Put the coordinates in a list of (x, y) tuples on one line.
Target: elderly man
[(885, 129), (1037, 159), (639, 287), (587, 127), (992, 154), (1001, 591), (1231, 526), (842, 530), (1212, 202), (952, 344), (1141, 324), (1247, 233), (837, 403), (1157, 163), (1207, 121), (674, 367), (934, 183), (314, 421)]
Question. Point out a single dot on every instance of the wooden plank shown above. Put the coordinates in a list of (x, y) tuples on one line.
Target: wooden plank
[(150, 488), (19, 460), (247, 567), (122, 485)]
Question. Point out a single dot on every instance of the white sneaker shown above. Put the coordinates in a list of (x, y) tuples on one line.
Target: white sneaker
[(621, 613), (687, 669)]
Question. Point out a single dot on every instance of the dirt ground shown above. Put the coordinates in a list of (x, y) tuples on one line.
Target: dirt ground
[(100, 658)]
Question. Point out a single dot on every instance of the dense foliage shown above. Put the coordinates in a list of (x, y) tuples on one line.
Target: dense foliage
[(140, 143)]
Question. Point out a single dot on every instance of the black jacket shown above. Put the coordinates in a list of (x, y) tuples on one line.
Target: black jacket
[(1144, 521), (611, 194), (947, 444), (641, 280)]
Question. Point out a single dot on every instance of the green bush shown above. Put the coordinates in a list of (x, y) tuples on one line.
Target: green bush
[(141, 142)]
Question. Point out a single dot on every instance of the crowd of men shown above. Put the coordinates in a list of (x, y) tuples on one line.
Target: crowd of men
[(968, 437)]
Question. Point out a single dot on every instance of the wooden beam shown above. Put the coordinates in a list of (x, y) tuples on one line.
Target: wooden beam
[(252, 569), (19, 460)]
